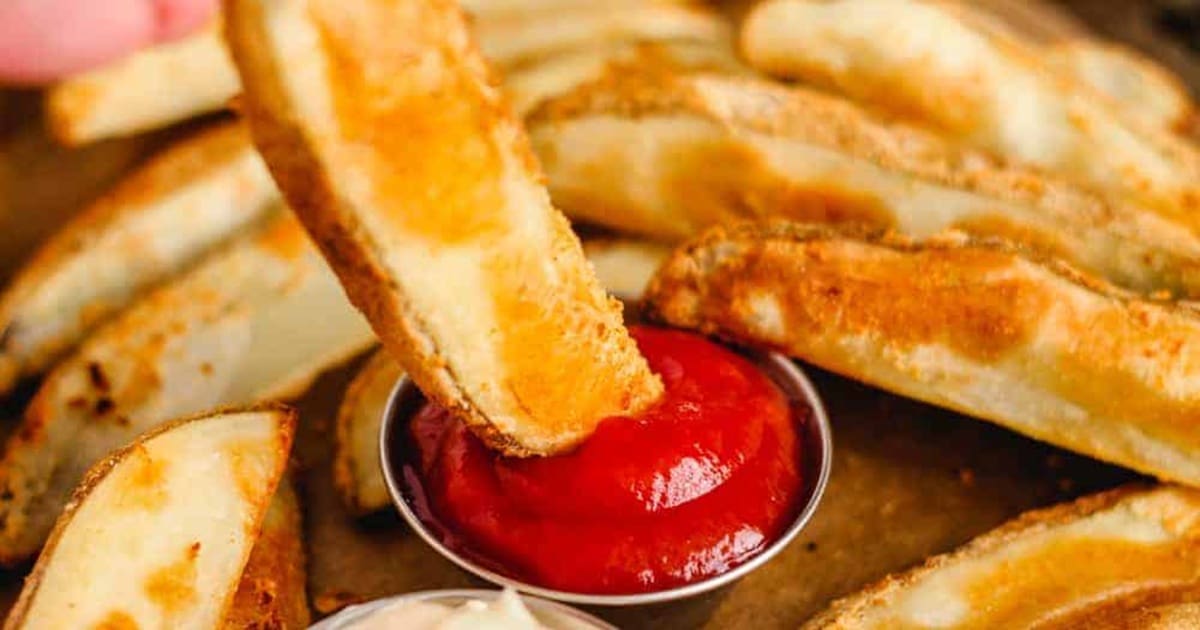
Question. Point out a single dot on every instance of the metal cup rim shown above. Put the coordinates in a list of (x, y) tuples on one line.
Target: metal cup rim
[(358, 612), (786, 373)]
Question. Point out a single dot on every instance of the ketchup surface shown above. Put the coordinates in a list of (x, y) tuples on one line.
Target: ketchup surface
[(697, 484)]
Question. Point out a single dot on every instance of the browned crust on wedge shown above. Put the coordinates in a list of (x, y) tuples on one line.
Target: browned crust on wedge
[(287, 430), (589, 334), (273, 592), (952, 320), (848, 612)]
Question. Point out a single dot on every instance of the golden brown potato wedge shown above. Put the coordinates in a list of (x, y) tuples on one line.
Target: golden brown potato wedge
[(158, 533), (510, 42), (1127, 558), (146, 90), (356, 471), (273, 591), (256, 321), (973, 326), (666, 156), (624, 267), (921, 60), (418, 184), (155, 223)]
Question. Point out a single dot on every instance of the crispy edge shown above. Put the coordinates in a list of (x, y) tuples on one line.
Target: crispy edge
[(278, 133), (348, 470), (273, 591), (287, 417), (843, 612)]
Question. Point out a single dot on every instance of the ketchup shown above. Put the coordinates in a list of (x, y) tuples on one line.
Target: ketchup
[(695, 485)]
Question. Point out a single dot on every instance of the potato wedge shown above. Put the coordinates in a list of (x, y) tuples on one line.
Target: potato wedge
[(1125, 558), (273, 590), (921, 60), (624, 267), (356, 473), (146, 90), (257, 321), (530, 85), (157, 534), (418, 184), (155, 223), (509, 42), (1142, 89), (666, 156), (974, 326), (172, 82)]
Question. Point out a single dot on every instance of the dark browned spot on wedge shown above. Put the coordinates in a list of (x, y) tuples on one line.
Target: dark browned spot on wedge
[(97, 376)]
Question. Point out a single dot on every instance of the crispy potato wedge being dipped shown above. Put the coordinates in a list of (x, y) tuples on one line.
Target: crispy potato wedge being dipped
[(974, 326), (419, 186), (922, 60), (273, 590), (1126, 558), (158, 533), (624, 267), (256, 321), (666, 156), (154, 224), (149, 89)]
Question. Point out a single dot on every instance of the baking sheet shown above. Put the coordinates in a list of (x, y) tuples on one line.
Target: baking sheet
[(908, 480)]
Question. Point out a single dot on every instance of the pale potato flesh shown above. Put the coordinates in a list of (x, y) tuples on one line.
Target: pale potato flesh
[(154, 224), (158, 533), (256, 321)]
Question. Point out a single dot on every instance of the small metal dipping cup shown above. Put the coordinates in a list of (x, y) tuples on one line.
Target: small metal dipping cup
[(406, 399), (550, 614)]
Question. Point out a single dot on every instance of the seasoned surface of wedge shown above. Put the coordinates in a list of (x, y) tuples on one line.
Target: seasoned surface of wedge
[(969, 325), (534, 83), (153, 224), (666, 156), (1127, 558), (146, 90), (272, 593), (402, 160), (511, 41), (157, 534), (920, 59), (356, 445), (256, 321)]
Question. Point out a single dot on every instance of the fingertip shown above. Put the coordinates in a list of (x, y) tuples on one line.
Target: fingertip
[(178, 18)]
